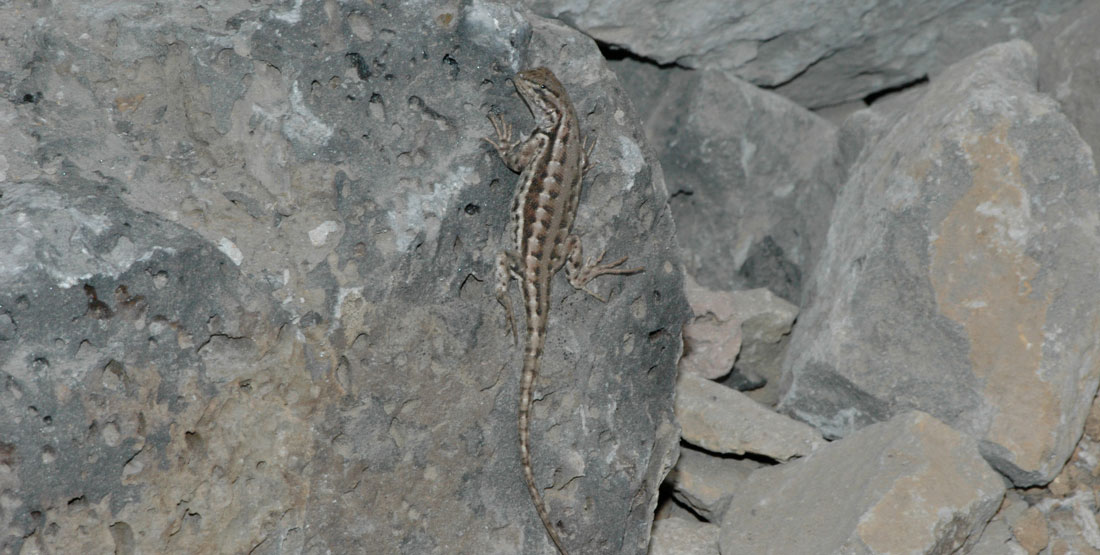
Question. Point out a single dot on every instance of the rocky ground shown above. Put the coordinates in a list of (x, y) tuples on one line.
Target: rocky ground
[(928, 344), (247, 254)]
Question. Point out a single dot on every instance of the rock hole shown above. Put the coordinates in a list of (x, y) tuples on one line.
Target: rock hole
[(362, 69), (194, 442), (123, 537), (97, 309)]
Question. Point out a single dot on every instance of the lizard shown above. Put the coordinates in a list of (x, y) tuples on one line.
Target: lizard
[(551, 162)]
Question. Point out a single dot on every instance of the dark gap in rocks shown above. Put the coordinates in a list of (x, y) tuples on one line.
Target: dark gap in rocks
[(873, 97), (614, 53), (664, 496), (762, 459)]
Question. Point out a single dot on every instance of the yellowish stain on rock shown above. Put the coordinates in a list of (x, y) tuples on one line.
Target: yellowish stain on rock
[(923, 512), (982, 278)]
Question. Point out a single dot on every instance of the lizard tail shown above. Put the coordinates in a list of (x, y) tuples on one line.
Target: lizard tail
[(530, 368), (536, 334)]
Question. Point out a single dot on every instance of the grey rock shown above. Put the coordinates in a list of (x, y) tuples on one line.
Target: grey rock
[(768, 321), (721, 420), (677, 536), (752, 175), (815, 52), (706, 483), (308, 356), (1069, 68), (955, 273), (910, 485)]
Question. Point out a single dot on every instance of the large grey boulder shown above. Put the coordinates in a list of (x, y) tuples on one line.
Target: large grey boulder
[(958, 276), (815, 52), (752, 175), (249, 307)]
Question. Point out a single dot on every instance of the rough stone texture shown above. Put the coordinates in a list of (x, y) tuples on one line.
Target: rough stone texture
[(141, 379), (706, 483), (997, 540), (752, 175), (1073, 525), (958, 275), (246, 286), (722, 420), (910, 485), (678, 536), (1069, 68), (816, 52)]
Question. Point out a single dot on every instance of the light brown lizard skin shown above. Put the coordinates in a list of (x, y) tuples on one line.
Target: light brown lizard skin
[(552, 162)]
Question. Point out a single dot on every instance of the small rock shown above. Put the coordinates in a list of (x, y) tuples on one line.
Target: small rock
[(712, 338), (722, 420), (707, 483), (726, 324)]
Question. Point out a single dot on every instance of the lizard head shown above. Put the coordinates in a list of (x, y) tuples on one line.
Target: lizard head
[(543, 93)]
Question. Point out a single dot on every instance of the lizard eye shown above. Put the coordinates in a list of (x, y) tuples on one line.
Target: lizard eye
[(542, 86)]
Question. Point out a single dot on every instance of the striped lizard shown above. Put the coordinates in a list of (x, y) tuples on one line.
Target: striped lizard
[(551, 163)]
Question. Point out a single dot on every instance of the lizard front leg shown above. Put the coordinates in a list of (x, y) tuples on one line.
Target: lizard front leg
[(516, 155), (581, 272)]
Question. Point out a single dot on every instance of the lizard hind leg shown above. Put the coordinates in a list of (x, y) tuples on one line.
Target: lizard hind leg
[(586, 154), (507, 268), (580, 272)]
